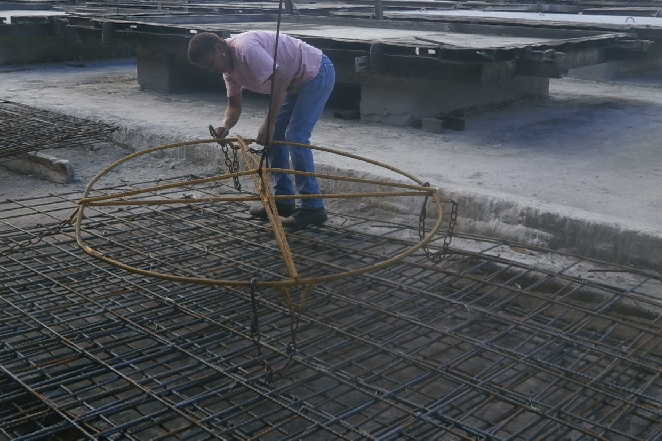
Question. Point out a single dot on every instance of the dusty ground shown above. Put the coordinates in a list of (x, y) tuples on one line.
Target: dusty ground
[(591, 151)]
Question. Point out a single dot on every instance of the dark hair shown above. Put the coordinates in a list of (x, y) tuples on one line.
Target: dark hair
[(201, 45)]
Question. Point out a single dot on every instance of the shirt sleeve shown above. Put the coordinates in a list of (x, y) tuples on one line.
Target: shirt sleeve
[(232, 87)]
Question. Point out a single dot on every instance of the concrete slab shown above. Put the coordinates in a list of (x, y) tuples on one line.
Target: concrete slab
[(118, 9), (505, 16), (581, 170), (42, 166), (602, 69), (360, 31), (399, 36)]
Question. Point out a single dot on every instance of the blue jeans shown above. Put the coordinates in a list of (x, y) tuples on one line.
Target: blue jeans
[(295, 123)]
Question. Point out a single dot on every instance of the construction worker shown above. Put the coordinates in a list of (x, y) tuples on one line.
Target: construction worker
[(303, 80)]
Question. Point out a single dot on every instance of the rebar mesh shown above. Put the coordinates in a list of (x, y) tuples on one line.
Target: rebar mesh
[(497, 342), (27, 129)]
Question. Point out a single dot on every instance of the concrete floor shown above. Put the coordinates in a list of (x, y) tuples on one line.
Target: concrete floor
[(585, 162)]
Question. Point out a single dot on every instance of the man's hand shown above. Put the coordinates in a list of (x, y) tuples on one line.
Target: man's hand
[(220, 132), (264, 136)]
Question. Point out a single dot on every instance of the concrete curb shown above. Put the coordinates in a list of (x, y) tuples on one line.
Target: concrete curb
[(559, 229), (555, 227)]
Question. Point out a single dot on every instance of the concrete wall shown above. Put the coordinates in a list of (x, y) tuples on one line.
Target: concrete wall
[(402, 101), (51, 41)]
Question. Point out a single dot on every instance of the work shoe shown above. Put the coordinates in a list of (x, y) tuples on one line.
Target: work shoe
[(285, 208), (305, 216)]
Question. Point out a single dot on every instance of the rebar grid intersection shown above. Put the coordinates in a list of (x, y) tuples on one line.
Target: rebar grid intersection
[(480, 346)]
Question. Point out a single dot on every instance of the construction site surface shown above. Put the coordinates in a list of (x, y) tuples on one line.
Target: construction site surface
[(164, 311)]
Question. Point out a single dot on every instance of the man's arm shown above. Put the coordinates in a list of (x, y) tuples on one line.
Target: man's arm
[(265, 136), (232, 114)]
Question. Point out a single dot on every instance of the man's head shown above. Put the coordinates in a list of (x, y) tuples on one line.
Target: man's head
[(210, 52)]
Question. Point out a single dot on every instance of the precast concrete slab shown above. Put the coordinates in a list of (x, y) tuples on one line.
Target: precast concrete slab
[(7, 15), (644, 27), (482, 65), (303, 6), (136, 9), (592, 21), (404, 35)]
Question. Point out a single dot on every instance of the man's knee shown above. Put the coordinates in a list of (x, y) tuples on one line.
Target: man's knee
[(297, 134)]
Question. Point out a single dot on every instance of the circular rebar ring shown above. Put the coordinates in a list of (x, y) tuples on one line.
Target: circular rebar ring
[(262, 176)]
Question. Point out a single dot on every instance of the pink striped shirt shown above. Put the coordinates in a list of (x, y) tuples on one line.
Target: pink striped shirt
[(253, 57)]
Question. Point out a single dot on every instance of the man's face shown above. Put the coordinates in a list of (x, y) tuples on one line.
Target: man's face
[(218, 61)]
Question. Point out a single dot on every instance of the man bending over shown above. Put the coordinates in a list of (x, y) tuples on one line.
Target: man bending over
[(303, 81)]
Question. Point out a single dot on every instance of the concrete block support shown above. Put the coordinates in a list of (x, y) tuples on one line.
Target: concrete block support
[(651, 62), (155, 71), (402, 101), (164, 68), (42, 166), (50, 42), (434, 125)]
